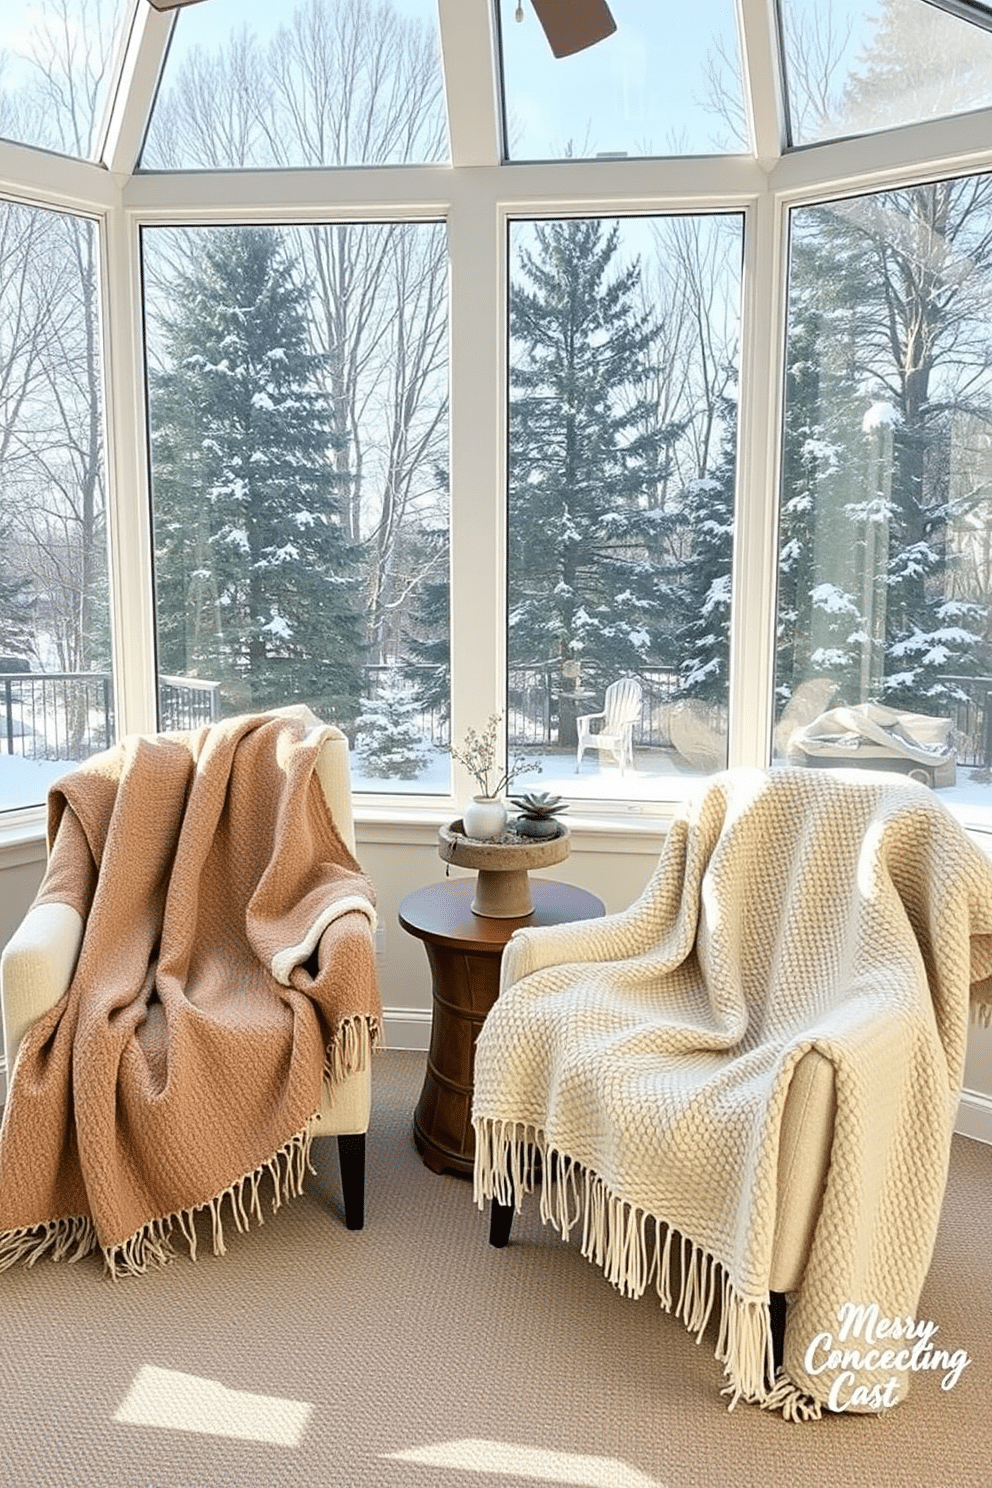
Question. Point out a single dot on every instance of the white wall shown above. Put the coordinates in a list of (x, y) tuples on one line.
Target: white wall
[(21, 867)]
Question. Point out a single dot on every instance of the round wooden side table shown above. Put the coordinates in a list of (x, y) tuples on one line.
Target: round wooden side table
[(464, 951)]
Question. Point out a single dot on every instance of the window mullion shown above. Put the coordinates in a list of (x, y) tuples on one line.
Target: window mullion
[(478, 463), (132, 610), (129, 109), (468, 48), (752, 646)]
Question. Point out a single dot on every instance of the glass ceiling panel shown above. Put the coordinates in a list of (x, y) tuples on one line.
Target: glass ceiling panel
[(858, 66), (667, 82), (252, 85), (56, 67)]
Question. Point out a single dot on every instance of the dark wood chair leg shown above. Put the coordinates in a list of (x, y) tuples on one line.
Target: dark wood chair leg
[(501, 1215), (776, 1302), (500, 1224), (351, 1159)]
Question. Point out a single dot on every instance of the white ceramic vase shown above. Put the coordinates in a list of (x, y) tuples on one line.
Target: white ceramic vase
[(484, 819)]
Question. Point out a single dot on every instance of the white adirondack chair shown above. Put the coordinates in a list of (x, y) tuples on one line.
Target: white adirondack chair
[(615, 735)]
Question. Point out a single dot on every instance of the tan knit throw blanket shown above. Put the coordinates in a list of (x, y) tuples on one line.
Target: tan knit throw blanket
[(650, 1053), (186, 1060)]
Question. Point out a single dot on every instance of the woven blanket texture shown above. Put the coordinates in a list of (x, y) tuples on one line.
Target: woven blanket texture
[(226, 967), (648, 1056)]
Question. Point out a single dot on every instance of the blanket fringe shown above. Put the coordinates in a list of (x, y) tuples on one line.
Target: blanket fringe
[(351, 1048), (981, 1014), (152, 1244), (59, 1240), (794, 1404), (634, 1249), (72, 1238)]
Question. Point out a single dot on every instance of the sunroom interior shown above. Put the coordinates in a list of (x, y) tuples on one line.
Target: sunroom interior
[(369, 354)]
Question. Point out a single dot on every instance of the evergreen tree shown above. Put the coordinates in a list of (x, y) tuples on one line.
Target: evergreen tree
[(888, 355), (586, 580), (819, 623), (16, 606), (900, 344), (707, 515), (427, 635), (256, 579), (388, 738)]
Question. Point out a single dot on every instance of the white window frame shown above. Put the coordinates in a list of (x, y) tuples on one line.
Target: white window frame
[(477, 197)]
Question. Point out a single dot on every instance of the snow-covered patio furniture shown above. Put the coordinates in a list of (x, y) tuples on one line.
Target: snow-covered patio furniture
[(698, 732), (615, 735), (806, 703), (871, 736)]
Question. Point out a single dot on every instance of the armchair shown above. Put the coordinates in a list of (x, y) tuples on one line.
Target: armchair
[(741, 1087), (309, 919)]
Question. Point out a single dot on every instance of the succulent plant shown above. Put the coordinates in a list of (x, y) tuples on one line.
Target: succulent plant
[(539, 805)]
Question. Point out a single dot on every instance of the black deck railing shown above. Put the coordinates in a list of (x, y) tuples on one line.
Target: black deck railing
[(70, 715), (56, 715), (972, 720), (535, 695)]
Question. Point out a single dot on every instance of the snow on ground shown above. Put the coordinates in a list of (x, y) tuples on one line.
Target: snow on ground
[(25, 782), (654, 778)]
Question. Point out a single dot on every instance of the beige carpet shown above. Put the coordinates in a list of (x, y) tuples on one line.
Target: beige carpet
[(412, 1354)]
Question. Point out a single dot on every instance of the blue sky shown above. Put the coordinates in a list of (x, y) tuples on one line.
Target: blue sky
[(646, 79), (645, 82)]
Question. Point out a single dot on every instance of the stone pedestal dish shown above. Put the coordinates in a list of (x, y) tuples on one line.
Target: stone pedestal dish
[(502, 890)]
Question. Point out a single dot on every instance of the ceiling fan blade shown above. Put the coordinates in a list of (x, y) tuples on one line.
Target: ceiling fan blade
[(573, 25)]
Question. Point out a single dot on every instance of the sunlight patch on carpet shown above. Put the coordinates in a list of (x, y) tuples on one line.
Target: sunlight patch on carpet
[(171, 1401), (508, 1459)]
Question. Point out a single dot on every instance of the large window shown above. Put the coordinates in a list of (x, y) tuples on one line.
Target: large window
[(622, 460), (297, 393), (706, 209), (56, 698), (885, 567)]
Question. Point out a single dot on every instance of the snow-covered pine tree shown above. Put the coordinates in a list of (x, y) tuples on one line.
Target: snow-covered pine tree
[(256, 580), (820, 630), (388, 738), (707, 518), (427, 628), (17, 602), (897, 337), (586, 575), (893, 325)]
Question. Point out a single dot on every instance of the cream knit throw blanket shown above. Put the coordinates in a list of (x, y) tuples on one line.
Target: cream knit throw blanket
[(226, 964), (647, 1057)]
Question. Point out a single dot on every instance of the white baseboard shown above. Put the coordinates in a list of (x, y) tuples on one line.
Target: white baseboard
[(407, 1028), (975, 1116)]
